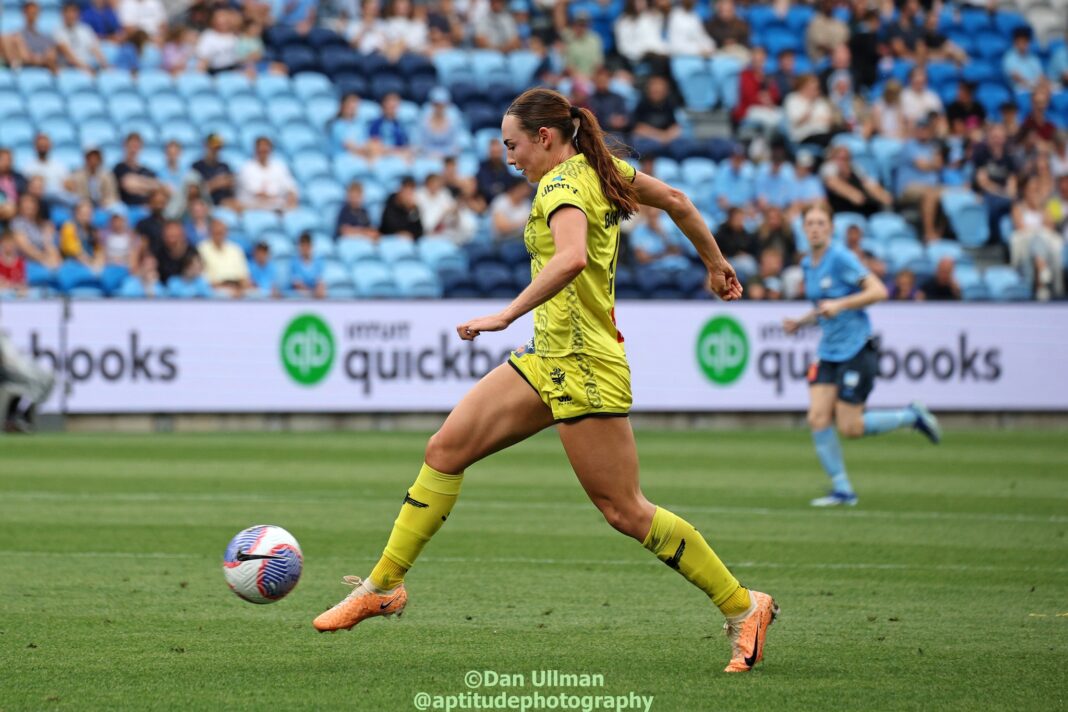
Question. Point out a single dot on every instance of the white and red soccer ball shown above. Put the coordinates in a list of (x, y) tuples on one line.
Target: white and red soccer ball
[(263, 563)]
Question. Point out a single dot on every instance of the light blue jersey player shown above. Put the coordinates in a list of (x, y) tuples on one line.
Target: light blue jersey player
[(842, 378)]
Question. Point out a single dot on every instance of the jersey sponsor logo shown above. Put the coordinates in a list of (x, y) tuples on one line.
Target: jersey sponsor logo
[(851, 379), (558, 186)]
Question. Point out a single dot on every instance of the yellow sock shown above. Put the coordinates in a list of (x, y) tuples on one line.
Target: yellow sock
[(427, 504), (680, 546)]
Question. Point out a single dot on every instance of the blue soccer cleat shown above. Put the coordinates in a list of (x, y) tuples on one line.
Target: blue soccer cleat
[(836, 499), (926, 422)]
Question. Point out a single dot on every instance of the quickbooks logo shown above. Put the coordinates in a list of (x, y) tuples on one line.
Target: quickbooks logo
[(307, 349), (722, 350)]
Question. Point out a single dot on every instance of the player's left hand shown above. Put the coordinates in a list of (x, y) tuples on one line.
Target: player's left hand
[(829, 308), (723, 282), (470, 329)]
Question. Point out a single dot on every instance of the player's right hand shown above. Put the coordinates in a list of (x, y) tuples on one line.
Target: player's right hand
[(723, 282)]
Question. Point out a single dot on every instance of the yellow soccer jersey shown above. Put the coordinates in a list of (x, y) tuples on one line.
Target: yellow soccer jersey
[(581, 317)]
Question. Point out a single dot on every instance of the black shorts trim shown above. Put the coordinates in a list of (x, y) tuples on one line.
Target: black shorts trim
[(575, 418), (524, 377)]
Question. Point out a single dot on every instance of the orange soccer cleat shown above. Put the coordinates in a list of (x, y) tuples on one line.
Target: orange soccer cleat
[(363, 602), (747, 635)]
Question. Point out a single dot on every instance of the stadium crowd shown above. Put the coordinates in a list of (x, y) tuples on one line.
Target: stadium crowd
[(270, 148)]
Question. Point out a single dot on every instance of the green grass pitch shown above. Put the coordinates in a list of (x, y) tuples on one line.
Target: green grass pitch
[(947, 588)]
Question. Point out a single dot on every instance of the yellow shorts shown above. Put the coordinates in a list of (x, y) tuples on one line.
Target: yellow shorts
[(577, 385)]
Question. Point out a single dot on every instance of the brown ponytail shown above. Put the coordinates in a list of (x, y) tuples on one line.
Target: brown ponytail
[(536, 108)]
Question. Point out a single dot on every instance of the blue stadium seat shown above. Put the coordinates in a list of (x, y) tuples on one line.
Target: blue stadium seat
[(374, 280), (946, 248), (283, 109), (309, 84), (424, 166), (842, 222), (726, 70), (323, 191), (125, 106), (887, 226), (182, 131), (451, 64), (95, 132), (269, 86), (70, 81), (335, 274), (11, 103), (153, 81), (72, 274), (255, 222), (309, 164), (492, 277), (300, 60), (33, 79), (489, 66), (900, 251), (441, 254), (59, 129), (165, 108), (415, 280), (348, 167), (698, 170), (967, 216), (396, 249), (967, 275), (303, 219), (351, 250), (992, 95), (296, 137), (521, 66), (974, 292), (390, 169), (991, 45), (320, 109), (229, 84), (887, 152), (110, 81), (204, 107), (980, 71), (798, 17), (45, 103), (243, 108), (1005, 284), (336, 60), (282, 249)]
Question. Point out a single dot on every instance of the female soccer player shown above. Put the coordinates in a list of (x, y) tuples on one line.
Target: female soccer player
[(842, 379), (573, 373)]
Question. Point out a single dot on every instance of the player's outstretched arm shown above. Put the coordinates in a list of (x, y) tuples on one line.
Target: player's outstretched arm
[(568, 226), (872, 291), (658, 194)]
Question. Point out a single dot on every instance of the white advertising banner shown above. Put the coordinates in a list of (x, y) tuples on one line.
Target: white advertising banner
[(391, 356)]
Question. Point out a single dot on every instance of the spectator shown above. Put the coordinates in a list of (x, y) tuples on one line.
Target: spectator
[(497, 29), (825, 32), (936, 46), (1058, 65), (1035, 248), (36, 237), (29, 47), (807, 187), (493, 176), (401, 214), (943, 285), (149, 16), (368, 34), (686, 33), (174, 253), (733, 183), (215, 174), (995, 178), (639, 35), (179, 49), (347, 130), (774, 179), (48, 169), (121, 246), (903, 37), (225, 266), (173, 175), (609, 107), (444, 29), (78, 238), (1037, 130), (405, 29), (265, 182), (838, 81), (1057, 207), (136, 183), (1022, 67), (262, 271), (148, 278), (12, 185), (728, 31), (650, 240), (386, 134), (583, 51), (353, 219), (130, 52), (785, 75), (775, 234), (1058, 156), (217, 47), (849, 188), (655, 125), (460, 186), (101, 18), (306, 270), (12, 265), (151, 227), (770, 265), (888, 116), (917, 99), (509, 212), (94, 182), (190, 282), (809, 117), (76, 42), (904, 288), (197, 223), (437, 208), (299, 14), (758, 96), (1010, 117), (442, 131), (864, 45), (738, 244), (966, 115), (919, 176)]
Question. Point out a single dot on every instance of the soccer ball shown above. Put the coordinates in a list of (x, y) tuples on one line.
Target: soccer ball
[(263, 563)]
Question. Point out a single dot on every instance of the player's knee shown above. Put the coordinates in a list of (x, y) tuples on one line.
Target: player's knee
[(444, 454), (818, 420), (851, 428), (624, 517)]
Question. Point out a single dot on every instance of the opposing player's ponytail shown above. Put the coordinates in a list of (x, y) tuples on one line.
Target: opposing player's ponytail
[(536, 108)]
